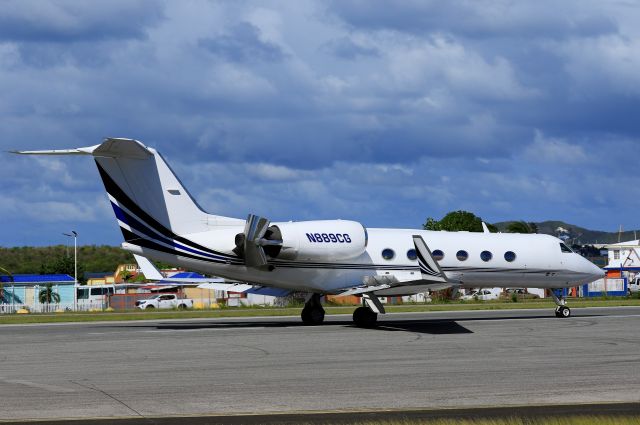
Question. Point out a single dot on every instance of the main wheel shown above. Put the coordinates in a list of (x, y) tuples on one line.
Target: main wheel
[(563, 311), (312, 315), (364, 317)]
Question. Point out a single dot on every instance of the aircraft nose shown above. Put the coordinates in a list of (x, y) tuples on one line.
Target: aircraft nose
[(594, 271)]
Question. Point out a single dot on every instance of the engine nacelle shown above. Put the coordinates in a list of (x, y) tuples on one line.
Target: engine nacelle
[(321, 240)]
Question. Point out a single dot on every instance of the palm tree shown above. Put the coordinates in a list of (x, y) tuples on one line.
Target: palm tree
[(47, 296), (2, 269)]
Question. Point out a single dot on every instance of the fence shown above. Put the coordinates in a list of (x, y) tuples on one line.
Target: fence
[(52, 308)]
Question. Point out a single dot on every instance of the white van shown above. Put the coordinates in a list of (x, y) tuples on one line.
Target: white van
[(95, 295), (634, 285)]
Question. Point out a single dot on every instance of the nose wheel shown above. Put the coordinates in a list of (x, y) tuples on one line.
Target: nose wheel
[(561, 310)]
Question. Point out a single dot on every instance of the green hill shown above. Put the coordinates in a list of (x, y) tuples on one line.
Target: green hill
[(578, 235), (59, 259)]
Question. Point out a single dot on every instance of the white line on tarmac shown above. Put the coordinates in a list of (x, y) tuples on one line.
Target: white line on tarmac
[(47, 387)]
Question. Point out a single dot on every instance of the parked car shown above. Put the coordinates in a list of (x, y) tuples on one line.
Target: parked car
[(165, 301), (521, 293), (634, 285), (481, 295), (469, 297)]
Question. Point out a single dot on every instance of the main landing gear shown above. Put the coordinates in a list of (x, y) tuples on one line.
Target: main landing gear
[(367, 315), (561, 310), (312, 313)]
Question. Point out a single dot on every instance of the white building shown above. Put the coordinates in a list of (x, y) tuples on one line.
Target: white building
[(624, 255)]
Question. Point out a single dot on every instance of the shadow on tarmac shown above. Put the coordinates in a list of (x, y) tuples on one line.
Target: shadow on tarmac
[(426, 326)]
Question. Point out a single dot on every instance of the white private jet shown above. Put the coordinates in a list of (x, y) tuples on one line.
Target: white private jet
[(160, 220)]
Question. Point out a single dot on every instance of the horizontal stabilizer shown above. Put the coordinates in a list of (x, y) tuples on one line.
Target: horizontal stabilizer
[(76, 151), (109, 148)]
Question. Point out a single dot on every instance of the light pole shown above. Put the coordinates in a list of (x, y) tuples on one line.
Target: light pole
[(74, 235)]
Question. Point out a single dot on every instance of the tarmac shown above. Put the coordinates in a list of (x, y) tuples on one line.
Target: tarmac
[(197, 368)]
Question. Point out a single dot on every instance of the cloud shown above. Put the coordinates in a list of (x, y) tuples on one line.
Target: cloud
[(347, 48), (71, 21), (305, 110), (554, 151), (479, 19), (243, 43)]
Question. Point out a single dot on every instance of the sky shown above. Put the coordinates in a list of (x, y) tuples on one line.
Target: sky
[(382, 112)]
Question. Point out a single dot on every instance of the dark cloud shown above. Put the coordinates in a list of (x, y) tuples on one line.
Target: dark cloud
[(385, 114), (241, 44), (545, 19), (346, 48), (69, 21)]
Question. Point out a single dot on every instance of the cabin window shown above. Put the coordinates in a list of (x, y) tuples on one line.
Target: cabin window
[(616, 254), (412, 255), (438, 255), (564, 248), (388, 254), (510, 256), (462, 255), (486, 256)]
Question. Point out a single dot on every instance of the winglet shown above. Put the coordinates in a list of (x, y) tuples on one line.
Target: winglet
[(429, 268), (148, 270), (485, 229)]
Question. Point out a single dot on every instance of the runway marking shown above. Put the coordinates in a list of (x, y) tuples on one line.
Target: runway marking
[(47, 387)]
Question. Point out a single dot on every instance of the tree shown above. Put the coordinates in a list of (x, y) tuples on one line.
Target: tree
[(522, 227), (47, 295), (10, 276), (125, 275), (456, 221)]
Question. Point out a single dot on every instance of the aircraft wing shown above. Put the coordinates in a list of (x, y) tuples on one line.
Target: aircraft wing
[(148, 270), (432, 277), (364, 289), (233, 287), (152, 273)]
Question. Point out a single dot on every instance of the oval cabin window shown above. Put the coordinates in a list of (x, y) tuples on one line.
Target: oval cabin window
[(438, 255), (388, 254), (462, 255)]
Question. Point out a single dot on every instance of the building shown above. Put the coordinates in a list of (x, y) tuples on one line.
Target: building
[(103, 278), (22, 290), (623, 264)]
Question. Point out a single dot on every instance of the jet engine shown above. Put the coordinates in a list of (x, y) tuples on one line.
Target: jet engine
[(324, 240), (320, 241)]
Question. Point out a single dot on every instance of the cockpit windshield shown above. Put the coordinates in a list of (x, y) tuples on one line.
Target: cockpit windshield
[(565, 248)]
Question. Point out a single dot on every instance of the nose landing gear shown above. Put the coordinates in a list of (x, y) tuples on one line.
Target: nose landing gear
[(561, 310)]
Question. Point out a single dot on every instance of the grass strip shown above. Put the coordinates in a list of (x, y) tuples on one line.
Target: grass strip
[(295, 311)]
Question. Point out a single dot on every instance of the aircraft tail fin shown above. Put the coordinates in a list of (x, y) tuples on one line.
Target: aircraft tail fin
[(147, 197)]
